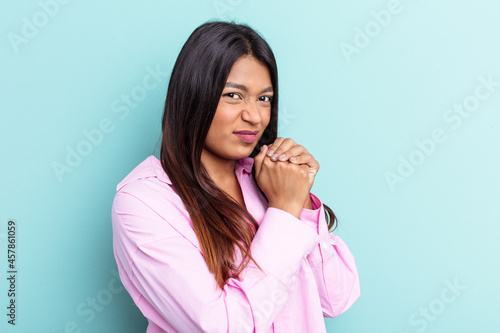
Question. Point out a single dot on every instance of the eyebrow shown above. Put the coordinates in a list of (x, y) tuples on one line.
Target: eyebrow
[(244, 88)]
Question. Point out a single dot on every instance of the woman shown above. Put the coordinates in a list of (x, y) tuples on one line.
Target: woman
[(222, 234)]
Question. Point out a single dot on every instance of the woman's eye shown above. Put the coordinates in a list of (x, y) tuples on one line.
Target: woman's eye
[(232, 95), (266, 99)]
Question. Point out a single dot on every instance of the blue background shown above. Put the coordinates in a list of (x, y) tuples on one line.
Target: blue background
[(363, 87)]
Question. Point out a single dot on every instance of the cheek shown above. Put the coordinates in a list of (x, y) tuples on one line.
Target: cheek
[(218, 127), (223, 117), (210, 136), (266, 117)]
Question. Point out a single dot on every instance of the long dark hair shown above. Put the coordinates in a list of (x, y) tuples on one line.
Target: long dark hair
[(194, 90)]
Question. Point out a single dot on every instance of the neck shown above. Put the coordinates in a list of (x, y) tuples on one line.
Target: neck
[(220, 170)]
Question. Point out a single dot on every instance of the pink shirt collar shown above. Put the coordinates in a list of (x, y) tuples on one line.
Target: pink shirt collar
[(151, 167)]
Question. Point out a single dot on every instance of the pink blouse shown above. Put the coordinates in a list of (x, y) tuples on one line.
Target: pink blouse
[(308, 272)]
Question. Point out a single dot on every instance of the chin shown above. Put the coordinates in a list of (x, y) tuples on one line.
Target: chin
[(242, 153)]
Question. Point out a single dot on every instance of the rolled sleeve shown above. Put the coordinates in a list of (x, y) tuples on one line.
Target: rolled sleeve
[(311, 217), (281, 242), (332, 264)]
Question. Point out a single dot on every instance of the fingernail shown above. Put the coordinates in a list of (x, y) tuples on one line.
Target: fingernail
[(292, 159), (274, 157), (270, 153), (262, 148), (282, 156)]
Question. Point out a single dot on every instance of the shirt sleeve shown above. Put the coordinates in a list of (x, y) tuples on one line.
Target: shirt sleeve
[(332, 264), (171, 275)]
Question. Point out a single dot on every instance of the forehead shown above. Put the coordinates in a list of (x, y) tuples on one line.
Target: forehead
[(247, 70)]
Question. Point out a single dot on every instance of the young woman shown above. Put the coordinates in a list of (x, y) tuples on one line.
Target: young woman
[(222, 234)]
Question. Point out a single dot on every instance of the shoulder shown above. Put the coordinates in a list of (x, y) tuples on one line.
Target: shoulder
[(149, 169), (146, 206), (146, 185), (146, 177)]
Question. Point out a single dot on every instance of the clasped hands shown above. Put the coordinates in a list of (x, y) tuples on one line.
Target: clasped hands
[(285, 172)]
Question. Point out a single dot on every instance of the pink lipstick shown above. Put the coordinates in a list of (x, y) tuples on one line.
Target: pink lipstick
[(247, 136)]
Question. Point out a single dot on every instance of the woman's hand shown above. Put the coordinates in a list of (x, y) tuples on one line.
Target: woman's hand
[(287, 150), (285, 184)]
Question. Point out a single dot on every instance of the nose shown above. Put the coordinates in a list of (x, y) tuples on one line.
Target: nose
[(251, 113)]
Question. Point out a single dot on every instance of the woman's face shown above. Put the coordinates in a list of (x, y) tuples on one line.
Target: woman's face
[(243, 112)]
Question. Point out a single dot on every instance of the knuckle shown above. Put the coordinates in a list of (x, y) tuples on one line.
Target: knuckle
[(304, 170)]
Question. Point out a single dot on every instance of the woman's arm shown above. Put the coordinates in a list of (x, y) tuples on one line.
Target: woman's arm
[(332, 263), (164, 270)]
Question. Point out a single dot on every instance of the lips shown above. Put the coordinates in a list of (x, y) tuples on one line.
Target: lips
[(246, 132), (247, 136)]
